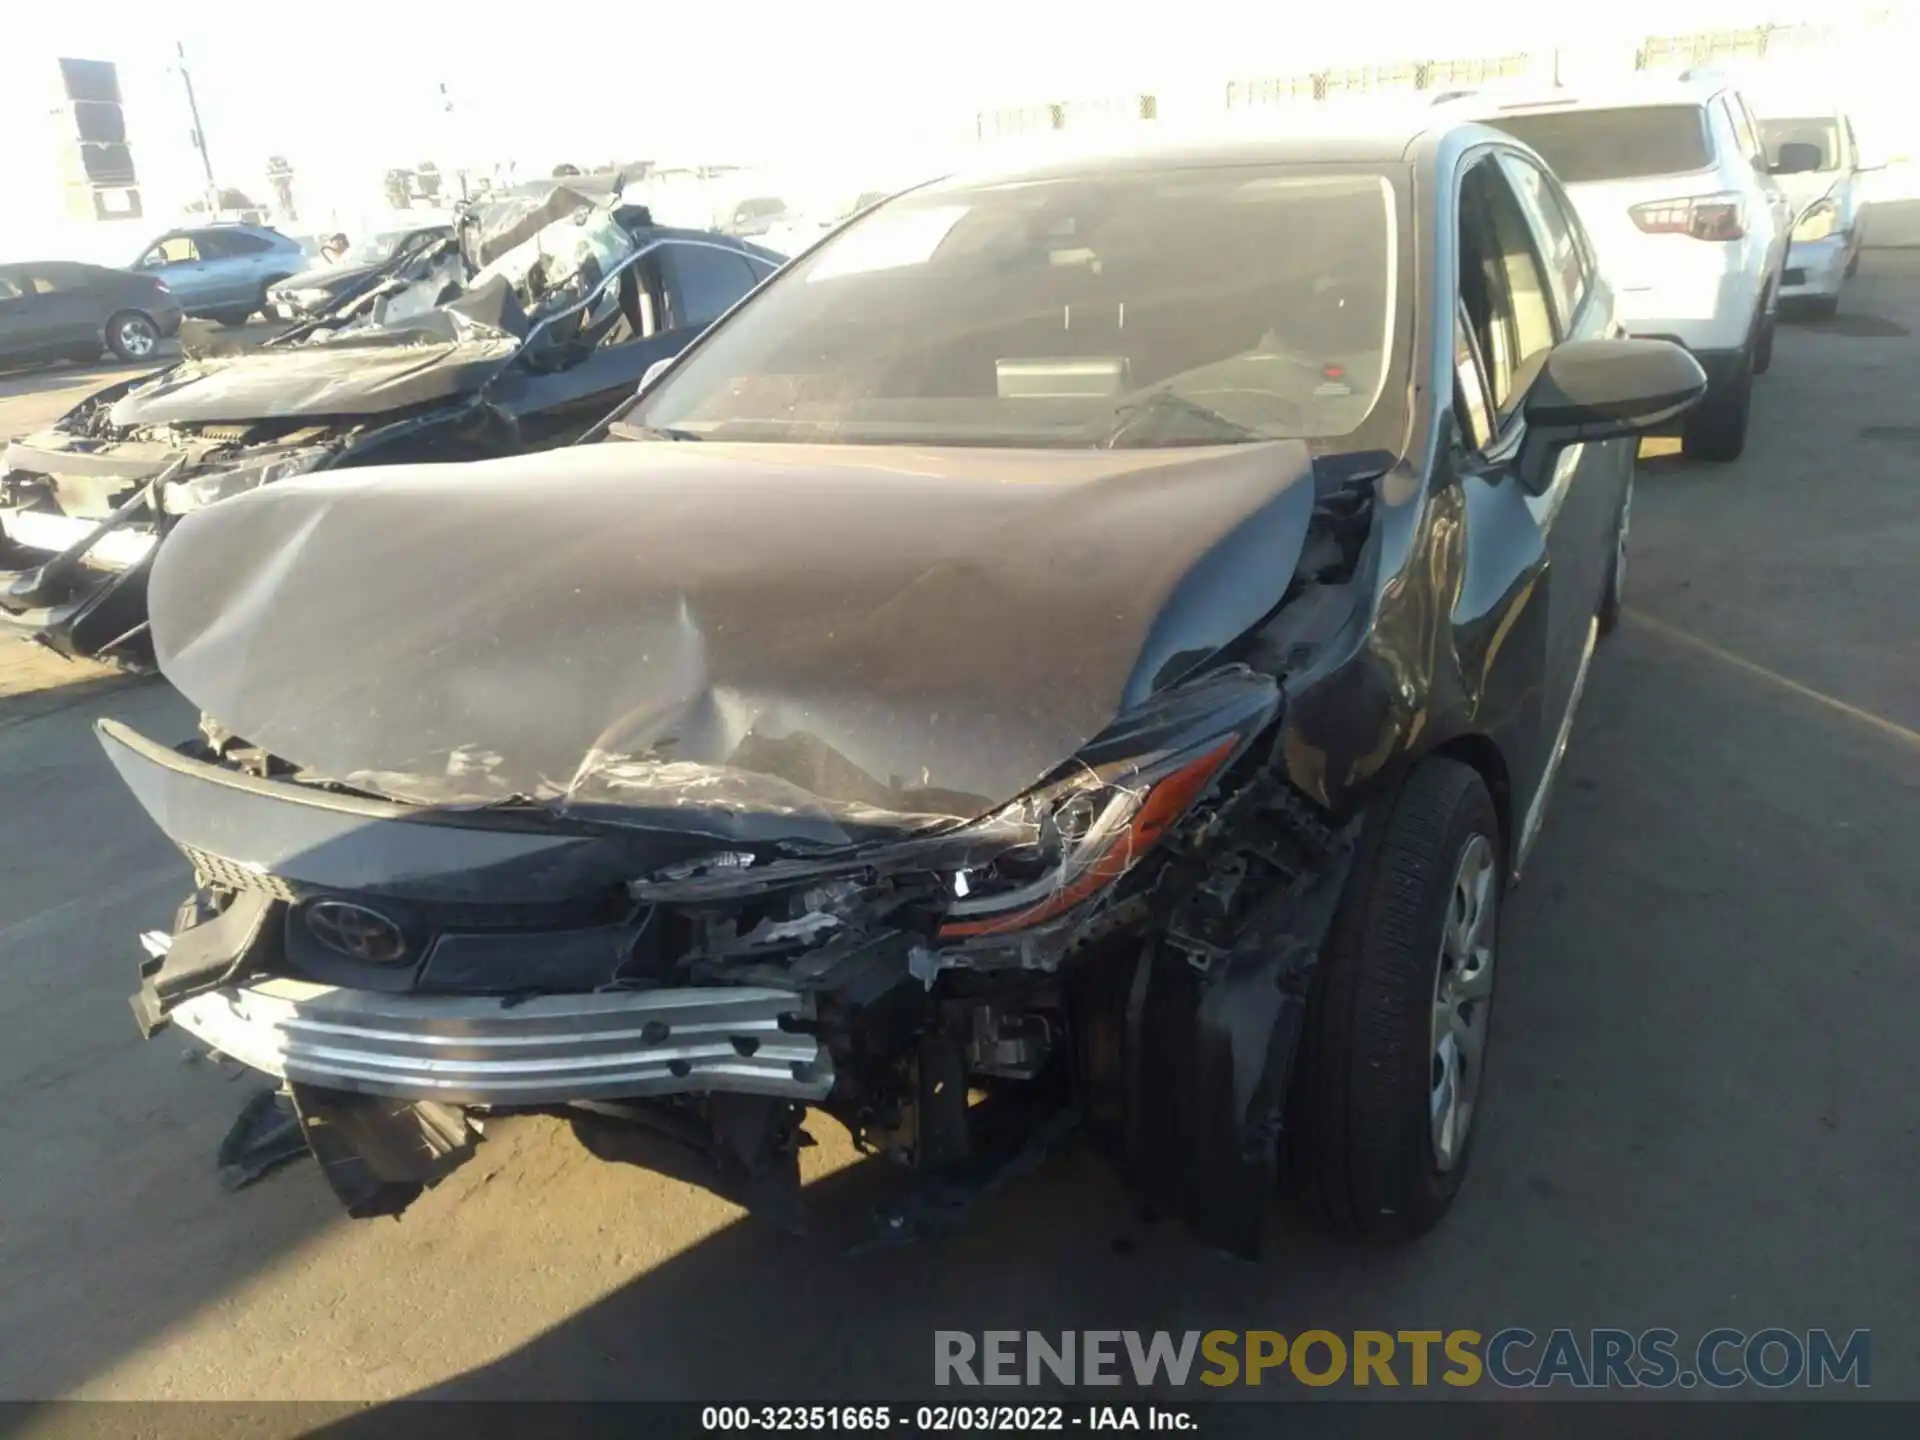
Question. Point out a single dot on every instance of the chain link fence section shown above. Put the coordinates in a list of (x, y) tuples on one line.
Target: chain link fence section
[(1349, 82)]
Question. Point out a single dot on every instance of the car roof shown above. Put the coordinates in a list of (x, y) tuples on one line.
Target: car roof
[(1371, 140), (1620, 95), (1770, 106), (204, 226)]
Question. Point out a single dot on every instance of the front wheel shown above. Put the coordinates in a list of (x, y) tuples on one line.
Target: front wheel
[(1388, 1084), (132, 336)]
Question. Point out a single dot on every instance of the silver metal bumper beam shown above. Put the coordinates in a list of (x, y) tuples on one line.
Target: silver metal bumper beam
[(481, 1050)]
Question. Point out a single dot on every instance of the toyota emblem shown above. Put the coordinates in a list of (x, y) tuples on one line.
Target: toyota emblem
[(357, 932)]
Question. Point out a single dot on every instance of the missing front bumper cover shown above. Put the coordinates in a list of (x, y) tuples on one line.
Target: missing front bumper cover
[(549, 1049)]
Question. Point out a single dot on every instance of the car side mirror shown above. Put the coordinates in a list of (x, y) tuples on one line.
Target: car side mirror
[(1607, 390), (1797, 159), (654, 372)]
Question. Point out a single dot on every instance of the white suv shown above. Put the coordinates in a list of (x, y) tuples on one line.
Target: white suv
[(1690, 226)]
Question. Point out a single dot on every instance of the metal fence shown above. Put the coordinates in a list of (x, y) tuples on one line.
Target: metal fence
[(1708, 48), (1354, 81), (1783, 45)]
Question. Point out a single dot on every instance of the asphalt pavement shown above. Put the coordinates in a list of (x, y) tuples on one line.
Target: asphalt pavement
[(1703, 1082)]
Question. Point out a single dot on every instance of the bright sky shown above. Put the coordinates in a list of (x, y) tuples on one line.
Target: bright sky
[(346, 92)]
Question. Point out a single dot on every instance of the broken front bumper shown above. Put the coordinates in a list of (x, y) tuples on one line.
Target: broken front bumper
[(277, 845), (77, 585), (547, 1050)]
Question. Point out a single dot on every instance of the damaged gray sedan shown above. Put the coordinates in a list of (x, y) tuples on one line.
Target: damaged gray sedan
[(542, 318), (1081, 650)]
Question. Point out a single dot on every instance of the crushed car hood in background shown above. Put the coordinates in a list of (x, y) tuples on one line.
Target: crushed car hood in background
[(327, 277), (918, 631), (315, 379), (515, 219)]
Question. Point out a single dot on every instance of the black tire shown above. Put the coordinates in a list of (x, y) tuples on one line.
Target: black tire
[(1361, 1151), (127, 330), (234, 319), (1613, 597), (1717, 429), (1763, 344)]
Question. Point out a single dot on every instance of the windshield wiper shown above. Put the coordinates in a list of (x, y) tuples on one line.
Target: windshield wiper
[(650, 432), (1170, 402)]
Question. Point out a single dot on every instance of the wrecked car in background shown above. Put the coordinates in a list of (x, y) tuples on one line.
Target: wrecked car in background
[(365, 265), (1054, 659), (540, 320)]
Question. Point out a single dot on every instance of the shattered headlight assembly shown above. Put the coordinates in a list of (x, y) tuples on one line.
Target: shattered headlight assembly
[(1819, 223), (1090, 829), (183, 497)]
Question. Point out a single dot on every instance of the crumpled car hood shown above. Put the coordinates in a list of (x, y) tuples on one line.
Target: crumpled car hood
[(670, 627), (314, 379), (326, 277)]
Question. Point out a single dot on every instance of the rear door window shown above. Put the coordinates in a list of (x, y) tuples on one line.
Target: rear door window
[(1625, 143), (243, 242), (703, 282), (1745, 129)]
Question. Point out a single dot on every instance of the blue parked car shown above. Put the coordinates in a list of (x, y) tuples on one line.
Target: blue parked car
[(222, 271)]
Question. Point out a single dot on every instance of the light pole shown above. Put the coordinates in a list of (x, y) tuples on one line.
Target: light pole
[(199, 135), (446, 109)]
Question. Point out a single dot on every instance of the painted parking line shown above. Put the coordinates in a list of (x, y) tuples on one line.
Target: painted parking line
[(1852, 712)]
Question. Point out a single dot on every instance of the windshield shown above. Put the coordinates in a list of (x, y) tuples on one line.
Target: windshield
[(1169, 307), (1822, 134), (563, 260), (375, 249), (1625, 143)]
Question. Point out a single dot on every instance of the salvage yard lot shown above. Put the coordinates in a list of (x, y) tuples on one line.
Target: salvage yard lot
[(1702, 1107)]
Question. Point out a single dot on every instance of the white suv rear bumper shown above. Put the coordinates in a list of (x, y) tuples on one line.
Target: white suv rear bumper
[(1714, 315)]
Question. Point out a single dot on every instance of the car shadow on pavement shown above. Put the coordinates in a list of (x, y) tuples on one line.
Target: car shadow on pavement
[(36, 682), (67, 374)]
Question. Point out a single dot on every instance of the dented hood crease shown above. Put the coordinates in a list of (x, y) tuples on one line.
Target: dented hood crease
[(339, 378), (801, 633)]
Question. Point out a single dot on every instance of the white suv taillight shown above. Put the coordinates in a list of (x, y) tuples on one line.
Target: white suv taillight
[(1704, 217)]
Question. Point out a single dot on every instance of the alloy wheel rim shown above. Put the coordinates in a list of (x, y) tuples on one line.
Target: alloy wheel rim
[(1462, 998), (136, 337)]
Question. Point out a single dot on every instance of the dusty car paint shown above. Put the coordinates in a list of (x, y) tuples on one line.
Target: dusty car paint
[(829, 621), (1238, 652)]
